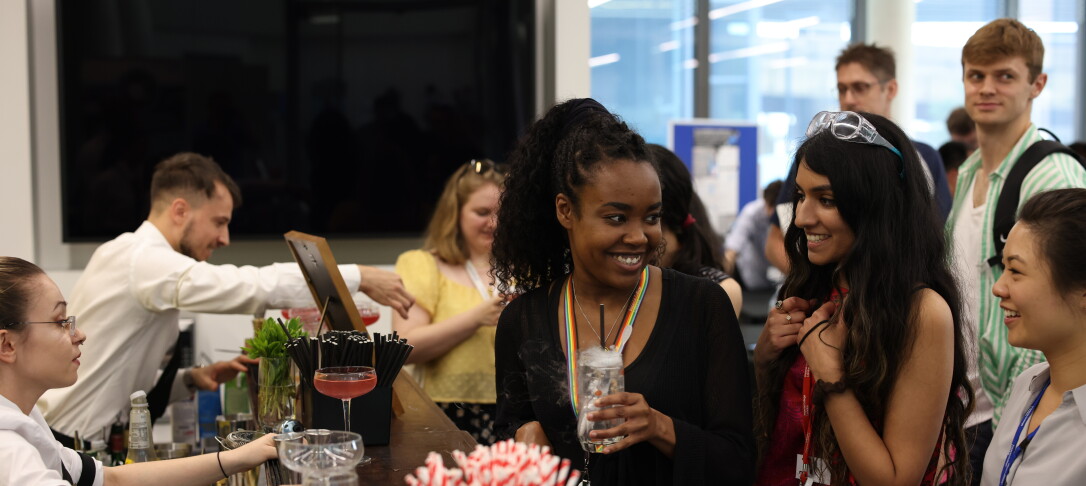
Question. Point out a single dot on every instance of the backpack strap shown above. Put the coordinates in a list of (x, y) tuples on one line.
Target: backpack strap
[(1007, 205)]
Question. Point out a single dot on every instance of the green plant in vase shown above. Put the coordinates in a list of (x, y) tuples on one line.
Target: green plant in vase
[(276, 393)]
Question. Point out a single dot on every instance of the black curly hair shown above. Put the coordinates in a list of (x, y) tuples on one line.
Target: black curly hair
[(899, 245), (558, 155)]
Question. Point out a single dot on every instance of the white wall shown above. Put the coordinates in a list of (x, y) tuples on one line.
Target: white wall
[(17, 217)]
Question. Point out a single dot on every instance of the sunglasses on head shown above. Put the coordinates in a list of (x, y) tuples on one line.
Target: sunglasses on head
[(483, 166), (849, 126)]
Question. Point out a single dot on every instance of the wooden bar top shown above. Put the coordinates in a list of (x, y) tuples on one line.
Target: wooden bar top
[(421, 428)]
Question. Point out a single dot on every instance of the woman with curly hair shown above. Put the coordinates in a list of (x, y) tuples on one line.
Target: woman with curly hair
[(861, 367), (452, 322), (578, 227), (691, 246)]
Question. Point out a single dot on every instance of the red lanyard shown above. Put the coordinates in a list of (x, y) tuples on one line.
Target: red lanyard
[(808, 413)]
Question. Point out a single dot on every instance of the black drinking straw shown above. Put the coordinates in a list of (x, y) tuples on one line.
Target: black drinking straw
[(283, 326), (603, 343)]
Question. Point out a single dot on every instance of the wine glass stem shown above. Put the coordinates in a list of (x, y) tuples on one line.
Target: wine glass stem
[(347, 414)]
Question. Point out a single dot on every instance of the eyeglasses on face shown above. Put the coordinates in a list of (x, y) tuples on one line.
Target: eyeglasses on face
[(858, 88), (849, 126), (68, 324)]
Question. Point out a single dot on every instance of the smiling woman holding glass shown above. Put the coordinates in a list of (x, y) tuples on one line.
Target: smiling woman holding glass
[(452, 323), (579, 229), (39, 350)]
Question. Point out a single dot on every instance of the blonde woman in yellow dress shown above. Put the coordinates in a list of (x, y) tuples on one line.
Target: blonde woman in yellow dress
[(456, 308)]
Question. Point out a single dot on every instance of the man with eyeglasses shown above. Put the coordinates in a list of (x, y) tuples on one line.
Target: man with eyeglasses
[(130, 295), (866, 82), (1002, 74)]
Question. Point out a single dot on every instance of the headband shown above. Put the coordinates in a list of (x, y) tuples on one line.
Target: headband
[(580, 110)]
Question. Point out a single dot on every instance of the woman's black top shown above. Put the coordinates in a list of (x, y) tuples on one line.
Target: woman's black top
[(693, 369)]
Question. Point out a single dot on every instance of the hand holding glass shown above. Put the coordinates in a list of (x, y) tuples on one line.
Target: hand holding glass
[(597, 382)]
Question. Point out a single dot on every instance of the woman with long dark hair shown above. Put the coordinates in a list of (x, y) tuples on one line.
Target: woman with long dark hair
[(578, 227), (691, 245), (861, 367)]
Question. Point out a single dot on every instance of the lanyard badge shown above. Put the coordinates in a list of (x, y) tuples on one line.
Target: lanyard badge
[(1018, 448), (620, 341), (809, 470)]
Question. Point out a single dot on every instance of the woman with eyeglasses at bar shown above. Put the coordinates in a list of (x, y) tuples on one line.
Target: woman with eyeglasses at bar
[(861, 367), (452, 323), (39, 350), (1043, 295)]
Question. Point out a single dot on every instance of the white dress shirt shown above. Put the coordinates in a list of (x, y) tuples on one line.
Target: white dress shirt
[(127, 302), (30, 456)]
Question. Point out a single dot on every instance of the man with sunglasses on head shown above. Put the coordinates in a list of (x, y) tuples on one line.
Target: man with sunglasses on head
[(1001, 71), (133, 288)]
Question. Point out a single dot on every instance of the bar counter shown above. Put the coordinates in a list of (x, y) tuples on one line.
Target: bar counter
[(421, 428)]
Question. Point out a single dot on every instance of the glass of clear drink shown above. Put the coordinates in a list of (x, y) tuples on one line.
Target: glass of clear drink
[(599, 373)]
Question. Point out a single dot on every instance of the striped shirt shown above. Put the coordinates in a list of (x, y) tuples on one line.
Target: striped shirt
[(999, 362)]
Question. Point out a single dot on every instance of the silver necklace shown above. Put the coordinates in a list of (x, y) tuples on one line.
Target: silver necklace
[(621, 312)]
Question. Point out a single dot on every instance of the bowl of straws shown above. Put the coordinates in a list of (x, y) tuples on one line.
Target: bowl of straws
[(371, 413)]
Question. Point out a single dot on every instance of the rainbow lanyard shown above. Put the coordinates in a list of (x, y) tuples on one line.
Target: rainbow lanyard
[(620, 341)]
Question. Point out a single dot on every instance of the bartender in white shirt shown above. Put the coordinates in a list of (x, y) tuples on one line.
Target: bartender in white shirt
[(132, 290)]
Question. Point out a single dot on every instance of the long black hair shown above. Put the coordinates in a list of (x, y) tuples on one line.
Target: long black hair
[(558, 155), (684, 215), (899, 245)]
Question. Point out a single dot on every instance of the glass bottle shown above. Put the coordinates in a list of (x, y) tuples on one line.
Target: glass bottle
[(140, 444), (116, 442)]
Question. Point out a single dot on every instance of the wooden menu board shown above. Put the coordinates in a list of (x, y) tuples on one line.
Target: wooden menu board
[(318, 265)]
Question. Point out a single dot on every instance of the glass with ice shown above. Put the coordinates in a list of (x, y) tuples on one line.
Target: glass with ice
[(599, 373)]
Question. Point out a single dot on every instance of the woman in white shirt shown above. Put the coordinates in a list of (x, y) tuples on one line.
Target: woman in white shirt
[(39, 350), (1043, 295)]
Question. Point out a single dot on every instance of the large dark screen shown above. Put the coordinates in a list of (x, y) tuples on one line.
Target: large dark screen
[(335, 117)]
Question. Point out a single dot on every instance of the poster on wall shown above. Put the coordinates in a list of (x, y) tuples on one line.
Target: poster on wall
[(723, 160)]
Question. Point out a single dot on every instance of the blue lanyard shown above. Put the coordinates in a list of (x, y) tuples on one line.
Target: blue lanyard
[(1016, 449)]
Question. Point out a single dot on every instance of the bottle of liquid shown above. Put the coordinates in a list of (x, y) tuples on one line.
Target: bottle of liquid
[(140, 444), (116, 442)]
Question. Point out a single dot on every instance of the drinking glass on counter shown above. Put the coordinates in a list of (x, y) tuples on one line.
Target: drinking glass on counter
[(345, 383), (323, 455), (369, 311)]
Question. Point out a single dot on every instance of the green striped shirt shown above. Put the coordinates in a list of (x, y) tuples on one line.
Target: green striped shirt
[(999, 362)]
